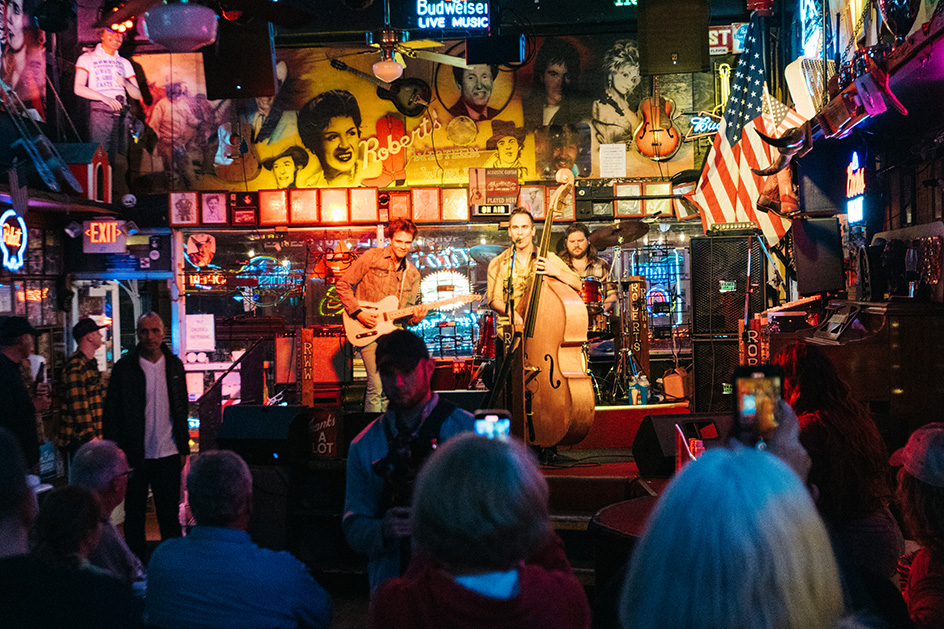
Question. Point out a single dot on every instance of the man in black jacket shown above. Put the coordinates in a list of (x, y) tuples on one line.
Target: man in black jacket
[(146, 415)]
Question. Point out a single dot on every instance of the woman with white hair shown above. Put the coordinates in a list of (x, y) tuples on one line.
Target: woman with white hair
[(734, 542), (485, 554)]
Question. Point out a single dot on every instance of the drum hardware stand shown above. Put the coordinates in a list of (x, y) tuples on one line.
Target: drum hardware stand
[(624, 368)]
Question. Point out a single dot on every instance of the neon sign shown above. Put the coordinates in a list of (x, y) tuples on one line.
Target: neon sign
[(15, 237), (703, 125), (855, 190)]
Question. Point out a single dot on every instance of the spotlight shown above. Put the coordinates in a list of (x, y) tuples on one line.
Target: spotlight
[(74, 229)]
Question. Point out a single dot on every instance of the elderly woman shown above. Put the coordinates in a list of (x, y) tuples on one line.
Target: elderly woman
[(485, 552), (734, 542)]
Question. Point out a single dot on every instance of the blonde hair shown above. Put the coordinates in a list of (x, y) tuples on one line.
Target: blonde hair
[(734, 542), (480, 503)]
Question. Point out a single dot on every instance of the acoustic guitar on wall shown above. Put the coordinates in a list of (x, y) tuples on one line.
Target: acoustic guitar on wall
[(657, 137), (409, 96)]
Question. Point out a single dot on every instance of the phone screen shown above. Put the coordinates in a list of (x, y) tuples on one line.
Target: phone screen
[(757, 396), (492, 425)]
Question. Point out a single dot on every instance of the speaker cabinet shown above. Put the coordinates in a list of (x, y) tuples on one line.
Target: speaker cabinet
[(817, 251), (333, 361), (673, 36), (719, 282), (654, 444), (241, 64), (265, 434), (714, 362)]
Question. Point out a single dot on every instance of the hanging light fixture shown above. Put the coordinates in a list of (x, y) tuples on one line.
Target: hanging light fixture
[(387, 69), (181, 27)]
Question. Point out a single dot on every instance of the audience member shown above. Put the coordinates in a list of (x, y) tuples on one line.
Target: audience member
[(849, 461), (40, 594), (145, 413), (921, 492), (101, 467), (19, 412), (216, 576), (385, 457), (81, 394), (486, 555), (68, 527), (734, 542)]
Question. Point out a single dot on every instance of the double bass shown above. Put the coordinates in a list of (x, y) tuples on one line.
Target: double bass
[(559, 399)]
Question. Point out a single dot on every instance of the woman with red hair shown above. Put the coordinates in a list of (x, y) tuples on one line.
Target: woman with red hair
[(850, 462)]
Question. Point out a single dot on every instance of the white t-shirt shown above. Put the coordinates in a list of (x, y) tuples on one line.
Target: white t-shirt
[(158, 425), (107, 73)]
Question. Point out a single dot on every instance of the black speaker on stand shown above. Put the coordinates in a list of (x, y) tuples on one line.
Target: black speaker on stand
[(714, 361), (241, 63), (673, 36)]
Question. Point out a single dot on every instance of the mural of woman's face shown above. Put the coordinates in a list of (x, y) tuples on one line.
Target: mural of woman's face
[(284, 171), (625, 78), (341, 138), (15, 23), (508, 149), (555, 77)]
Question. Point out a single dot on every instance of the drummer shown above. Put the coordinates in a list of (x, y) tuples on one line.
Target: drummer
[(520, 261), (581, 256)]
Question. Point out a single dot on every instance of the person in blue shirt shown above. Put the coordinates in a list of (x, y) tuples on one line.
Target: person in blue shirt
[(384, 459), (216, 576)]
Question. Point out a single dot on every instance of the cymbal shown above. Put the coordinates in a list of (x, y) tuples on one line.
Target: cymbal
[(621, 232), (484, 253)]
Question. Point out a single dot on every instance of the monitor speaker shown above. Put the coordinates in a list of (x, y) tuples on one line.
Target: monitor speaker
[(817, 252), (241, 64), (654, 443), (265, 435), (673, 36), (720, 284), (714, 362)]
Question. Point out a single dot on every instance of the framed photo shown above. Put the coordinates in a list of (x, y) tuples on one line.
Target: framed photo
[(685, 210), (532, 198), (426, 205), (399, 206), (213, 208), (183, 209), (567, 212), (659, 206), (363, 205), (334, 208), (302, 206), (628, 207), (243, 207), (455, 204), (273, 207)]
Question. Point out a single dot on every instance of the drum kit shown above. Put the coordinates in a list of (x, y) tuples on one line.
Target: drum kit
[(603, 326)]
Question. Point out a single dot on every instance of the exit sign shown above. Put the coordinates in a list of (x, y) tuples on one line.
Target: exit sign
[(104, 236)]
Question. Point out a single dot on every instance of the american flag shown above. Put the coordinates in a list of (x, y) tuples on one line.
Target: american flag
[(727, 190)]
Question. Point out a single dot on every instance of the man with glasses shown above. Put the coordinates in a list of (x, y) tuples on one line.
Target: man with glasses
[(102, 468)]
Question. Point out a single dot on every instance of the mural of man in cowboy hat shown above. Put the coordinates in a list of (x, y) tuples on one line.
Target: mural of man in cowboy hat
[(508, 143), (285, 166)]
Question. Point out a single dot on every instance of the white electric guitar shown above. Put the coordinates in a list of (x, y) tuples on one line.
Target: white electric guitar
[(359, 335)]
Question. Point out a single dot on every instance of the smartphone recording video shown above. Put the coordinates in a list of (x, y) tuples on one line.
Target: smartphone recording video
[(493, 423), (758, 389)]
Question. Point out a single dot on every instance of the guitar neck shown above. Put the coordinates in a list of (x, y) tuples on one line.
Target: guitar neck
[(367, 77), (411, 310), (657, 101)]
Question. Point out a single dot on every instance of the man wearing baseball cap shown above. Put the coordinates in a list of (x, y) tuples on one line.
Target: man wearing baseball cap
[(385, 457), (82, 391), (19, 413), (921, 492)]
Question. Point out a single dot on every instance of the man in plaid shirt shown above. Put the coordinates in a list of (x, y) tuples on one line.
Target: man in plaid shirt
[(82, 392)]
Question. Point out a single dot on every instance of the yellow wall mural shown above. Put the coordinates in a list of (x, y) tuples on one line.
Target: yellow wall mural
[(331, 124)]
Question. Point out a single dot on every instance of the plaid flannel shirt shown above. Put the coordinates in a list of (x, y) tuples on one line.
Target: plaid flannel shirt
[(82, 401)]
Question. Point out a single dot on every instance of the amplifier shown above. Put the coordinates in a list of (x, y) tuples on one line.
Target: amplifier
[(733, 229)]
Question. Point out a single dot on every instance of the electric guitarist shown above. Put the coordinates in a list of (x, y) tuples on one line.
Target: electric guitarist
[(380, 272)]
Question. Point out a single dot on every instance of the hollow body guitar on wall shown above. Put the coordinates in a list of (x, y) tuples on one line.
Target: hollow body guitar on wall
[(387, 312), (409, 96), (657, 137)]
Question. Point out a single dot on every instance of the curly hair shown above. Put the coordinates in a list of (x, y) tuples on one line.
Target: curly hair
[(850, 461), (398, 225), (624, 51)]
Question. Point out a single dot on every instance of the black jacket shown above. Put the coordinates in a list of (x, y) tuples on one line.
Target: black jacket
[(17, 413), (123, 416)]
